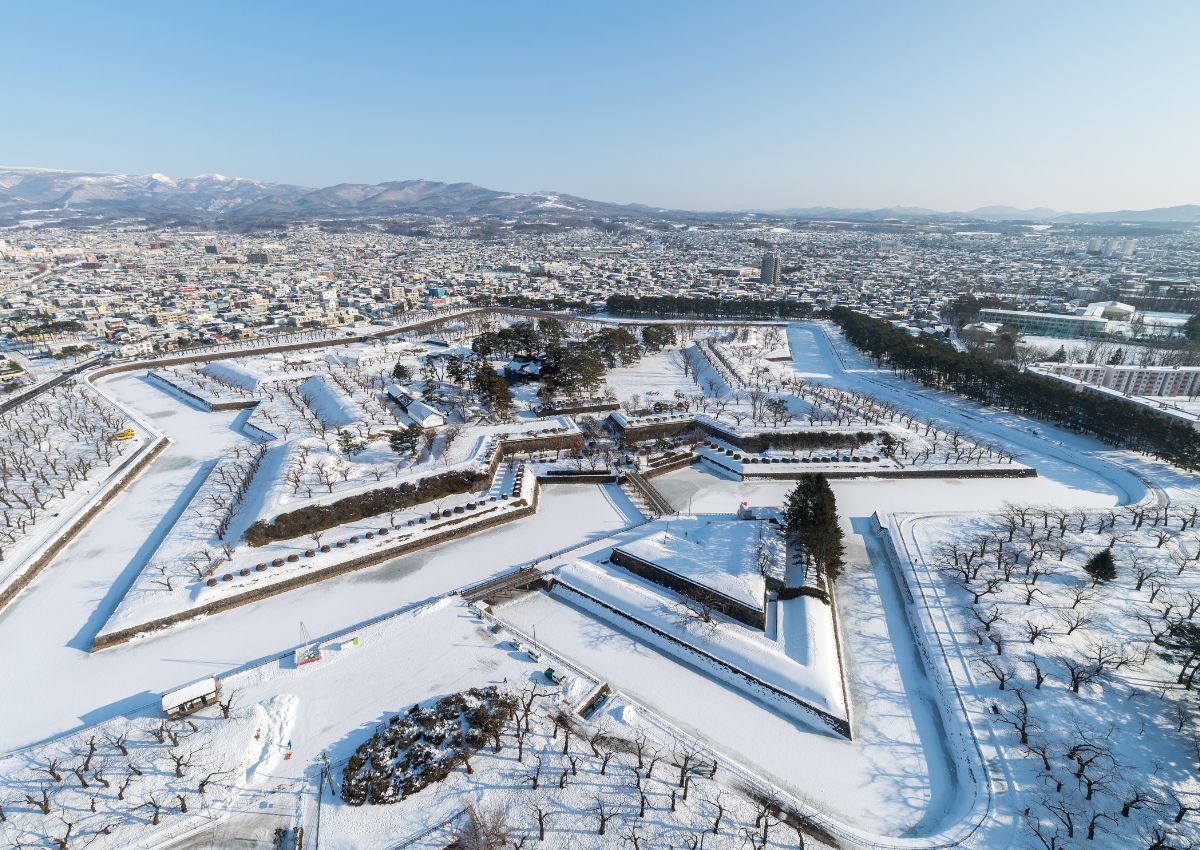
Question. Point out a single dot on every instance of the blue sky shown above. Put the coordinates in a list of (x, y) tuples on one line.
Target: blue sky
[(702, 105)]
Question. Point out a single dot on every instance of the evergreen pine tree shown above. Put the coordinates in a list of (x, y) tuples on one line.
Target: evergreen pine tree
[(406, 441), (1101, 567), (347, 444), (830, 550)]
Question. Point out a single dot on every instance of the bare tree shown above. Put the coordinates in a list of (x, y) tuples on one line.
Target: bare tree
[(604, 812), (153, 803), (998, 671), (482, 828), (1019, 719), (43, 803), (181, 760), (208, 778), (540, 809)]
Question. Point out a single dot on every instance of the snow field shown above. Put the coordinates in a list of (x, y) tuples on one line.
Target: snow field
[(1108, 760), (747, 649), (897, 777), (140, 781), (58, 452), (719, 555)]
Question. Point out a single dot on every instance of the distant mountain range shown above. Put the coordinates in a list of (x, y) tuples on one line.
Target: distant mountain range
[(26, 192), (210, 196), (1187, 213)]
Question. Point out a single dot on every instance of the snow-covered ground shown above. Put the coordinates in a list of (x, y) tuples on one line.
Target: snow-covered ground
[(139, 782), (719, 555), (909, 776), (59, 454), (1072, 676), (67, 605), (816, 684)]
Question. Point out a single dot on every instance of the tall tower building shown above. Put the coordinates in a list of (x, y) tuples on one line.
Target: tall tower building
[(770, 269)]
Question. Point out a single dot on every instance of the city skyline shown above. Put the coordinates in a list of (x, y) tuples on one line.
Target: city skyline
[(1075, 107)]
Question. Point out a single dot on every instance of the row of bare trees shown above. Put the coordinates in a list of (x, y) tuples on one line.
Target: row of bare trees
[(50, 446), (116, 780)]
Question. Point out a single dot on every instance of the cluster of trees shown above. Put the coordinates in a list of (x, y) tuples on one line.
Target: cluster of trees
[(316, 518), (463, 372), (421, 748), (554, 302), (577, 368), (110, 782), (73, 351), (811, 520), (50, 445), (965, 308), (657, 337), (48, 327), (519, 338), (565, 779), (706, 308), (1074, 605), (492, 389), (569, 367), (937, 364)]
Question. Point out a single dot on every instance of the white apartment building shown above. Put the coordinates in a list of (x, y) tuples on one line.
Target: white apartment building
[(1132, 380)]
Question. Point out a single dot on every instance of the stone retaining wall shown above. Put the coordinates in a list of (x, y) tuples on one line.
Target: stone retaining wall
[(598, 477), (680, 463), (837, 724), (210, 406), (740, 611), (105, 641), (837, 644), (793, 472)]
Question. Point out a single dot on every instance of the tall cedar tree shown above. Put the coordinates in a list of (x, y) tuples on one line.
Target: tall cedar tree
[(810, 517)]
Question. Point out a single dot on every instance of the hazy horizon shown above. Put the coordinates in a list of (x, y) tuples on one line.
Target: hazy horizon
[(1076, 107)]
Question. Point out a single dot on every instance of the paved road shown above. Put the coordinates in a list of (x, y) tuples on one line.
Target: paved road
[(42, 387)]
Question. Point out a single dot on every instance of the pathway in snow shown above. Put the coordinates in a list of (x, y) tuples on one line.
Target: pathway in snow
[(1069, 460)]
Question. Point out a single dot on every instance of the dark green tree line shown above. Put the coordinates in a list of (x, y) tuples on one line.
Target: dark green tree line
[(936, 364), (706, 308)]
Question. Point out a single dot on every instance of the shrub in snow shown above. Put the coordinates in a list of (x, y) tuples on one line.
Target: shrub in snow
[(372, 503), (1101, 567), (424, 745)]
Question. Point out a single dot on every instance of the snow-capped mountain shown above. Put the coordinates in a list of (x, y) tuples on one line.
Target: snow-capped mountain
[(214, 195)]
